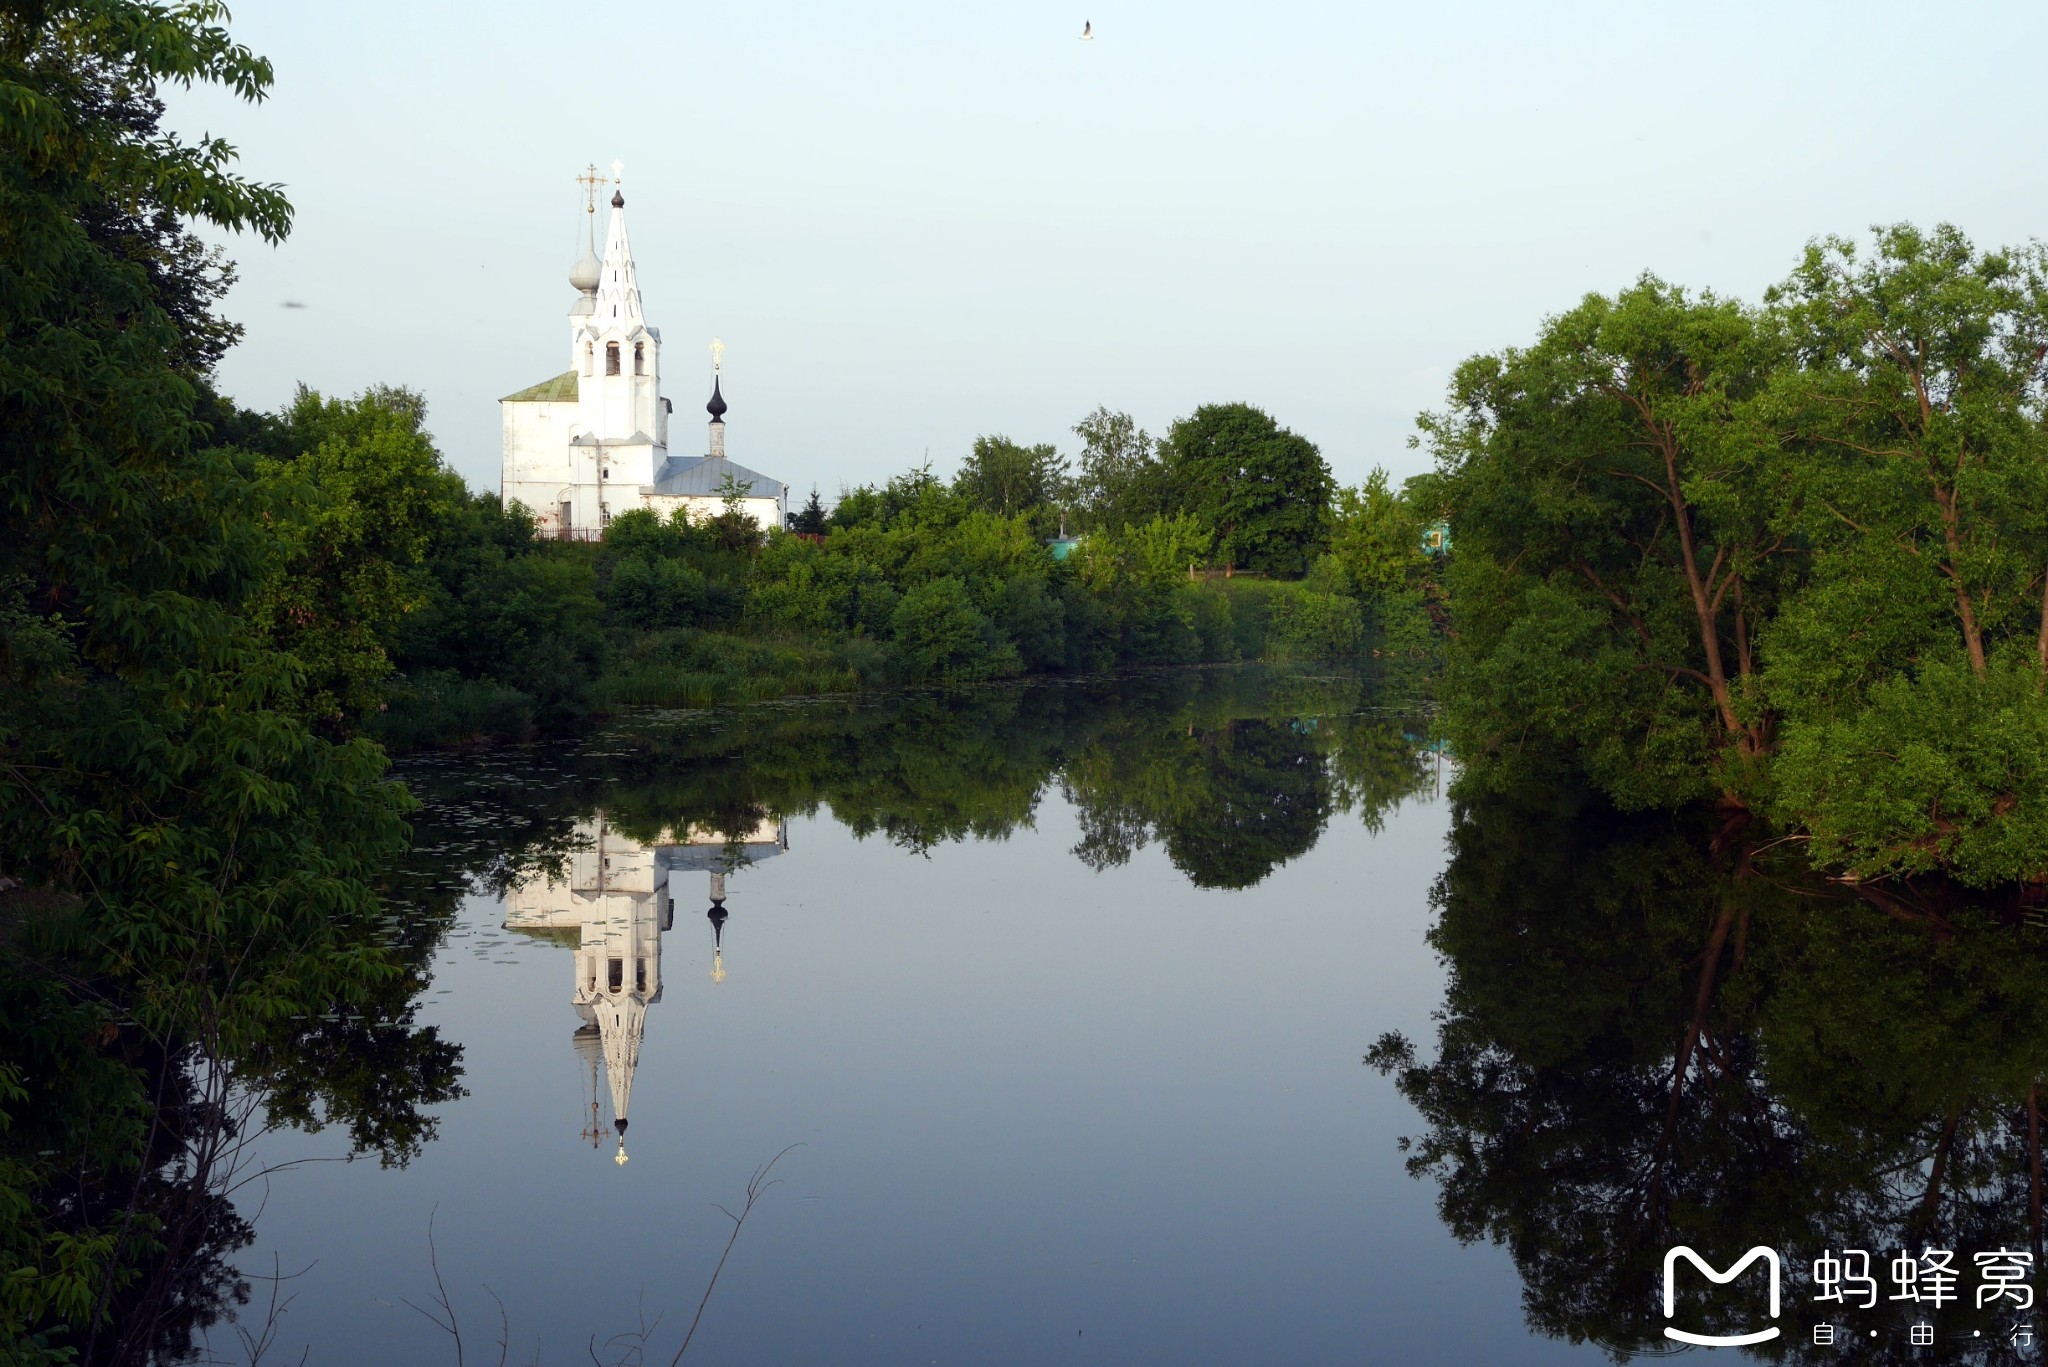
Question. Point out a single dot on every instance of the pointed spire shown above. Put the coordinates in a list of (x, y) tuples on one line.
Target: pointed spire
[(716, 408), (621, 1021), (618, 292)]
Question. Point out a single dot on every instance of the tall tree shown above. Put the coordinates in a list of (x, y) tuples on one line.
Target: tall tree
[(1911, 671), (1008, 479), (1264, 489), (363, 495), (1613, 557), (1121, 479), (1921, 399), (183, 861)]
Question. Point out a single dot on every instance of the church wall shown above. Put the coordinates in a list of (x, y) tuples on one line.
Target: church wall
[(539, 464), (766, 512)]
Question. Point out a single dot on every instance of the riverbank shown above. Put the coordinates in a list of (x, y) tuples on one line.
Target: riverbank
[(1206, 622)]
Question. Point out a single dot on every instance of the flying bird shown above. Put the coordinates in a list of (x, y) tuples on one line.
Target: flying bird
[(293, 304), (1087, 31)]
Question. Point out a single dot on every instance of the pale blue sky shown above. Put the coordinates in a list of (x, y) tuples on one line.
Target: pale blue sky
[(916, 222)]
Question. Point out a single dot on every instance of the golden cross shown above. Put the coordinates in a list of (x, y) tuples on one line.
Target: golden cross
[(717, 354), (590, 180)]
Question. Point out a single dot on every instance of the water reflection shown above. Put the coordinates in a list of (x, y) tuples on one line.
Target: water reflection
[(1654, 1034), (611, 899), (600, 844)]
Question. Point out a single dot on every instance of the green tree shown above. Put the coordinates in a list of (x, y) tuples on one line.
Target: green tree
[(810, 519), (360, 500), (733, 527), (1002, 477), (1908, 672), (1919, 408), (1376, 554), (1121, 478), (1264, 489), (1614, 556), (1793, 559), (185, 861)]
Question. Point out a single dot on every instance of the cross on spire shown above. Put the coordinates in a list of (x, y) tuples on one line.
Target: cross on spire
[(717, 355), (590, 180)]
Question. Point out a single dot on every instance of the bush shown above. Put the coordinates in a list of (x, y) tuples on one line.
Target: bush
[(440, 707), (648, 592), (703, 669), (1314, 626), (1035, 620), (940, 635), (1939, 770)]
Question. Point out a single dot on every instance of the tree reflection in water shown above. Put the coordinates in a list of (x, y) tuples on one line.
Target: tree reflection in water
[(1232, 772), (1654, 1035)]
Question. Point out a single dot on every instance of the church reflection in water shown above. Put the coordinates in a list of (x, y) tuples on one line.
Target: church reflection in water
[(612, 900)]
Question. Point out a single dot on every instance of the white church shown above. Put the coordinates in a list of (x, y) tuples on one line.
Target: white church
[(592, 442)]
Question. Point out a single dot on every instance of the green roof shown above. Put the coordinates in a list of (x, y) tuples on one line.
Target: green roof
[(561, 389)]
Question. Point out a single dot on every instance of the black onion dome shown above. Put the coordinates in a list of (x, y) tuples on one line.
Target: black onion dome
[(618, 199), (716, 408)]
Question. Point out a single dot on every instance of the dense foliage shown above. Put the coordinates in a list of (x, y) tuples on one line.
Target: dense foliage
[(1791, 558), (423, 614), (186, 862)]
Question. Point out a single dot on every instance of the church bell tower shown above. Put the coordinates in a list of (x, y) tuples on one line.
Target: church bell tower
[(621, 418)]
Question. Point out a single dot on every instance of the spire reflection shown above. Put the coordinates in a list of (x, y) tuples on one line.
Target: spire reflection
[(612, 901)]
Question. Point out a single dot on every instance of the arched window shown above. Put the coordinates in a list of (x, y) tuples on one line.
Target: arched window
[(611, 358), (639, 358)]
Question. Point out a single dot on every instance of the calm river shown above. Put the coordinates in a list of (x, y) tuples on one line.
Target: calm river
[(1055, 1002)]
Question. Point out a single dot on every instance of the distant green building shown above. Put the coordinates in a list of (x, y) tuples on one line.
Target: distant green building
[(1436, 539), (1062, 546)]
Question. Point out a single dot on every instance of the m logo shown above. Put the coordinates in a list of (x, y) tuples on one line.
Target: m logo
[(1769, 1255)]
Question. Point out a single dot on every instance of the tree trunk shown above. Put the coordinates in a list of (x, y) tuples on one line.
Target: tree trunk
[(2041, 642), (1973, 635), (1710, 635), (1701, 999), (1930, 1204)]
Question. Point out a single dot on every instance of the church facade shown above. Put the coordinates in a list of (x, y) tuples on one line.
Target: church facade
[(593, 441)]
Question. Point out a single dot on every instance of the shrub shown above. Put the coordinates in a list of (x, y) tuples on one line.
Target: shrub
[(1939, 770), (940, 635), (1316, 626), (645, 591), (440, 707)]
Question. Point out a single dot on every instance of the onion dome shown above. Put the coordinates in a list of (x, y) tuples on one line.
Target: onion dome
[(587, 272), (618, 199), (716, 408)]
